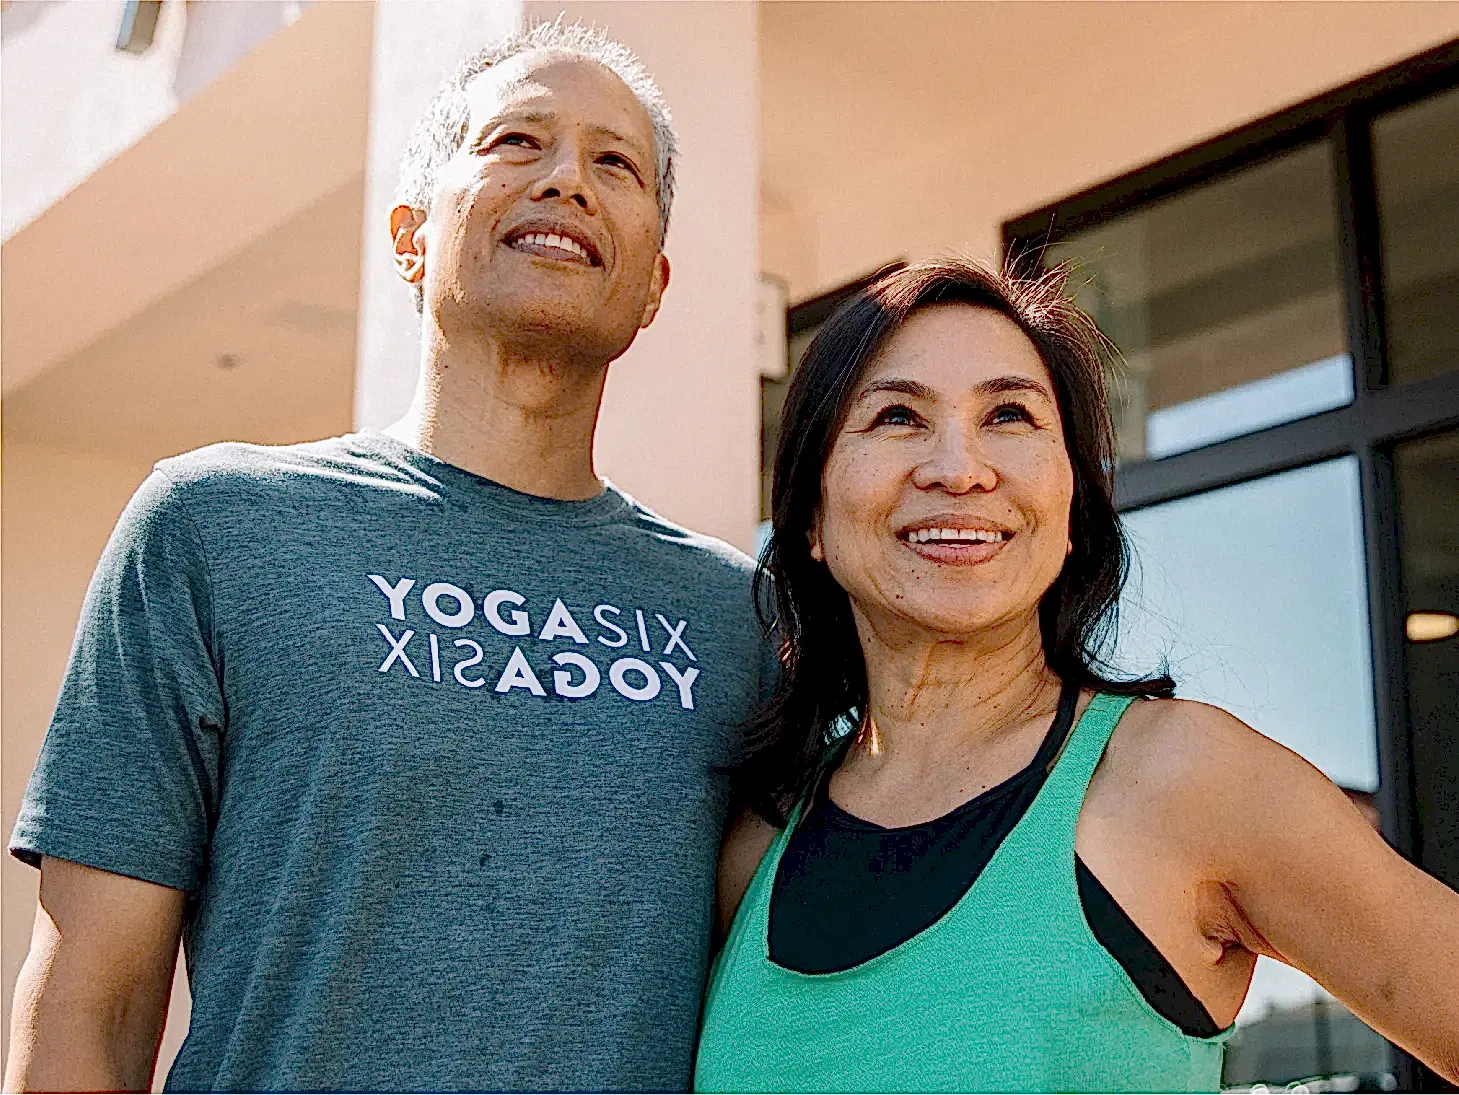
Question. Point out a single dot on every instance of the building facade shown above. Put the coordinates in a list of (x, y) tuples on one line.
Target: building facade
[(195, 250)]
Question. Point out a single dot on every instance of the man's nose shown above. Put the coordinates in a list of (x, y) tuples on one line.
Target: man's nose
[(956, 463), (567, 181)]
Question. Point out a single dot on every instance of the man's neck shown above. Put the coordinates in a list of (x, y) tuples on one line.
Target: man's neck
[(524, 421)]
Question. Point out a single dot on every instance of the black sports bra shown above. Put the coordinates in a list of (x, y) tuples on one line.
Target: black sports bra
[(848, 890)]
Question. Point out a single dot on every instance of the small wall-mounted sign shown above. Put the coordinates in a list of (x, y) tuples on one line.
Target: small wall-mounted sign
[(139, 25), (772, 346)]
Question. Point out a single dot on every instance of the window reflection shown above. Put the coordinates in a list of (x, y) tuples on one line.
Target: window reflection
[(1226, 303), (1257, 595), (1428, 498), (1417, 174)]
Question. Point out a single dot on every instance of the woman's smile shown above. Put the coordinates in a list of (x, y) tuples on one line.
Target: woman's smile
[(955, 541)]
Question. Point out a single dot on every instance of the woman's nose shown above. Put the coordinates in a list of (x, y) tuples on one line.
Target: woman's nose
[(956, 463)]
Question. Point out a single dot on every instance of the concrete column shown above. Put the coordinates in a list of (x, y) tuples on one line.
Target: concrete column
[(681, 416), (417, 45), (680, 427)]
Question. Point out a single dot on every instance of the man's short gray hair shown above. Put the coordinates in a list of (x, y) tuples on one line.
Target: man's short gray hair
[(443, 127)]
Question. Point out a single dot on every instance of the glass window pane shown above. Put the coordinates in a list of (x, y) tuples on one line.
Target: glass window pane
[(1226, 303), (1257, 596), (1416, 162), (1428, 498), (1291, 1028)]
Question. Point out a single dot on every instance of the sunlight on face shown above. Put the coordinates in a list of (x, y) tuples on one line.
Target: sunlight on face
[(547, 216), (945, 500)]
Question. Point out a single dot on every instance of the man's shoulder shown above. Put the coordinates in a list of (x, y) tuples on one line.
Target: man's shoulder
[(695, 549), (242, 462), (235, 471)]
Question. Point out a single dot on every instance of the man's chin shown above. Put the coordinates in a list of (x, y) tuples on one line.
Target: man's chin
[(558, 326)]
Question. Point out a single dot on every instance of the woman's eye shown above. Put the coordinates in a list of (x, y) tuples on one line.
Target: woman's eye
[(1010, 413), (895, 416)]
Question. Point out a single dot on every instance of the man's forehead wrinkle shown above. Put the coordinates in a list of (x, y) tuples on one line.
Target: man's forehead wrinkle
[(514, 96)]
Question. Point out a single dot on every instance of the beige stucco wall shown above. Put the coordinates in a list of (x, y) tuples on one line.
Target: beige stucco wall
[(902, 130), (58, 509), (71, 101)]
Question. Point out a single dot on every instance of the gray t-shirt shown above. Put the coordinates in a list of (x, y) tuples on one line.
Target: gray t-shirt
[(437, 763)]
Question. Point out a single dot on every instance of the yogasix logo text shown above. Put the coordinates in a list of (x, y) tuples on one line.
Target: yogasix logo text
[(415, 649)]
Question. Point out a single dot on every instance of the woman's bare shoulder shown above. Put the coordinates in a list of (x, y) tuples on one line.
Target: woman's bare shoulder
[(1193, 739), (1191, 761), (748, 840)]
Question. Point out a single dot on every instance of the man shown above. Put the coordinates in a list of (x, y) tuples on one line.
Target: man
[(415, 737)]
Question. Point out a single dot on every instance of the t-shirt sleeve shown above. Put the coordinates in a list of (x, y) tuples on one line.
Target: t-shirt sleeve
[(127, 779)]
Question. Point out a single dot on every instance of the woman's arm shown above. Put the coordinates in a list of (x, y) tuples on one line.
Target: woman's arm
[(1312, 884), (749, 838)]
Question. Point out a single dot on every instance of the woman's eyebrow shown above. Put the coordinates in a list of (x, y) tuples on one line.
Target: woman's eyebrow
[(900, 385), (998, 385)]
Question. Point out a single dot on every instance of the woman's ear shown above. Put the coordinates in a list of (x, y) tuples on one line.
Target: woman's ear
[(813, 534)]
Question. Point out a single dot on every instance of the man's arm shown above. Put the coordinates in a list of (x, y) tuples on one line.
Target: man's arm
[(92, 996)]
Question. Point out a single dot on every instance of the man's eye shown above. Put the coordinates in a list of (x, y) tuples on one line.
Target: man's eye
[(896, 415), (1010, 413), (613, 159), (519, 140)]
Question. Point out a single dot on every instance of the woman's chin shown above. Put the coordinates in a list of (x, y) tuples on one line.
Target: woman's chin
[(955, 622)]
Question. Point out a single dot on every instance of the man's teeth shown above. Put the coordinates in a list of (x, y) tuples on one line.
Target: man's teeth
[(924, 535), (552, 239)]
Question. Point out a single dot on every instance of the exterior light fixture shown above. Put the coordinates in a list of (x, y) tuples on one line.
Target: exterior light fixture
[(1431, 627), (139, 25)]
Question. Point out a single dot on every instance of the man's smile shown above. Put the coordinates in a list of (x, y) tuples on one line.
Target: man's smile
[(554, 242)]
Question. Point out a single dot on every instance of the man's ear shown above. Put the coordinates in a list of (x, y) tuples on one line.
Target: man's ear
[(409, 242), (656, 289)]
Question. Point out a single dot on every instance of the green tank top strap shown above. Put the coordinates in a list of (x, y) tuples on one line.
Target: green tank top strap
[(1073, 766)]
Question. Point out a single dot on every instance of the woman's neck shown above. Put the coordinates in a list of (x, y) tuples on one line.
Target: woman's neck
[(934, 699)]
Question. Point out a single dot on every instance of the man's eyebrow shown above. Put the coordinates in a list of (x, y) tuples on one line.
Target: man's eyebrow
[(547, 117), (614, 135), (529, 117)]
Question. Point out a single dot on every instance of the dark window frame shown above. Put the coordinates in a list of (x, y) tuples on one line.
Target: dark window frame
[(1380, 416)]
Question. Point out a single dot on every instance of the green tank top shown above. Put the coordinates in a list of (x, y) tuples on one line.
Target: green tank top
[(1008, 991)]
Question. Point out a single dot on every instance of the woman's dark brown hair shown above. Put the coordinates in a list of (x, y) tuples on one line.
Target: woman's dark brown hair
[(823, 678)]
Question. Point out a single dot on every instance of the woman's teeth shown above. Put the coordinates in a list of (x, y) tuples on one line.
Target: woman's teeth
[(954, 535)]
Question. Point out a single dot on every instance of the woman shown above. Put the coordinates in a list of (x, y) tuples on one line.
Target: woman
[(1017, 873)]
